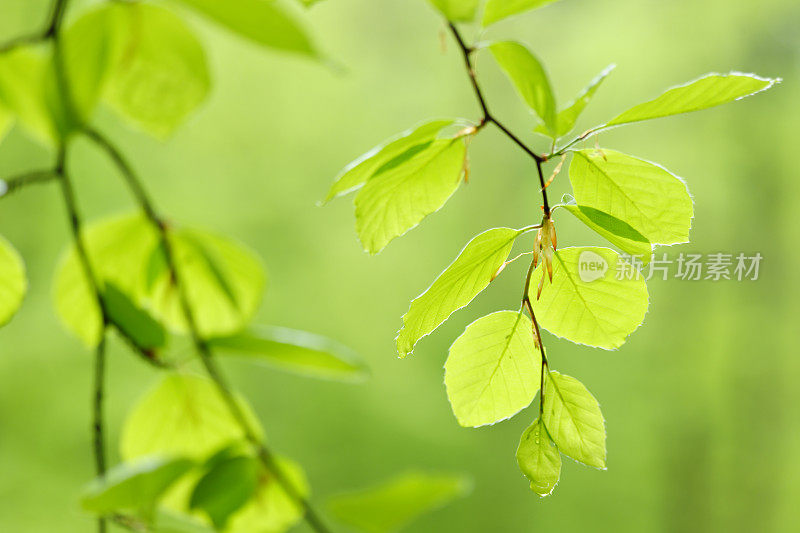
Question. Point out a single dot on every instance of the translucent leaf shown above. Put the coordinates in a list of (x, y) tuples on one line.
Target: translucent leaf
[(616, 231), (13, 283), (463, 280), (708, 91), (644, 195), (493, 370), (385, 156), (162, 75), (263, 22), (225, 488), (134, 323), (224, 283), (539, 459), (118, 249), (184, 416), (530, 79), (396, 200), (135, 486), (567, 117), (6, 120), (457, 10), (574, 420), (590, 301), (294, 351), (393, 505), (497, 10)]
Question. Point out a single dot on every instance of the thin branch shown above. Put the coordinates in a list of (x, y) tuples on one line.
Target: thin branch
[(201, 346), (51, 31), (98, 424), (13, 184)]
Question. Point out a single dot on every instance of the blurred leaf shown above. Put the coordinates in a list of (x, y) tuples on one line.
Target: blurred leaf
[(223, 280), (133, 322), (135, 486), (708, 91), (493, 370), (644, 195), (396, 200), (6, 120), (225, 488), (593, 306), (118, 249), (182, 415), (497, 10), (309, 3), (13, 283), (295, 351), (539, 459), (457, 286), (567, 117), (161, 76), (574, 420), (262, 21), (394, 504), (615, 231), (530, 79), (457, 10), (385, 156)]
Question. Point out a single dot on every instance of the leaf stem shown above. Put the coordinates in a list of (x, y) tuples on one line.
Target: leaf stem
[(11, 185)]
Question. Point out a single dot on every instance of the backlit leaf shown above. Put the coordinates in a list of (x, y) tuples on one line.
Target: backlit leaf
[(539, 459), (457, 10), (13, 283), (225, 488), (134, 323), (499, 9), (566, 118), (616, 231)]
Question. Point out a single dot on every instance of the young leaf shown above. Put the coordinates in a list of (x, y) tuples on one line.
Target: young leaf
[(539, 459), (393, 505), (646, 196), (223, 280), (530, 79), (457, 286), (135, 486), (588, 302), (385, 156), (566, 118), (457, 10), (225, 488), (574, 421), (295, 351), (708, 91), (616, 231), (497, 10), (493, 370), (261, 21), (184, 416), (134, 323), (162, 75), (396, 200), (118, 249), (13, 283)]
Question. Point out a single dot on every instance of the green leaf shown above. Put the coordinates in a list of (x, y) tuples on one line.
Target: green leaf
[(261, 21), (385, 156), (457, 10), (567, 117), (530, 79), (457, 286), (294, 351), (393, 505), (13, 283), (616, 231), (587, 302), (493, 370), (134, 323), (225, 488), (646, 196), (162, 75), (708, 91), (6, 121), (183, 416), (497, 10), (135, 486), (539, 459), (223, 280), (396, 200), (118, 249), (574, 420)]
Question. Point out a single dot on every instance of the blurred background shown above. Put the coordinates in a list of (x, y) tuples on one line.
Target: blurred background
[(701, 402)]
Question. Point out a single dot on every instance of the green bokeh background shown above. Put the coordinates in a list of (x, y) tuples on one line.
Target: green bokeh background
[(701, 402)]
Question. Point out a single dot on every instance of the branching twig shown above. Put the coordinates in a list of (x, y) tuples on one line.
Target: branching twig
[(13, 184)]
